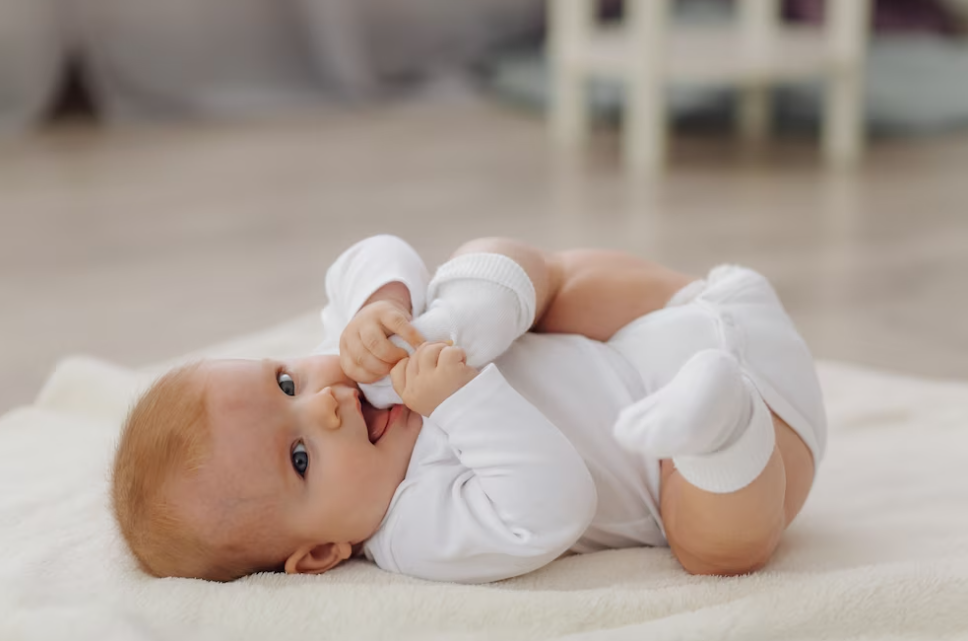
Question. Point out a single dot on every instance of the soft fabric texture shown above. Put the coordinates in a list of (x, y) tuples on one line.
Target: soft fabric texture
[(880, 550), (701, 410), (709, 419), (482, 302), (354, 277), (736, 310), (493, 490), (720, 355), (519, 465), (144, 59)]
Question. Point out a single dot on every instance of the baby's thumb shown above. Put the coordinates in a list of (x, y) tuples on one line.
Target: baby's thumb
[(400, 327), (398, 376)]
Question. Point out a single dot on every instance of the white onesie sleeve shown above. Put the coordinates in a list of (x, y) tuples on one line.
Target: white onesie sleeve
[(359, 272), (517, 496)]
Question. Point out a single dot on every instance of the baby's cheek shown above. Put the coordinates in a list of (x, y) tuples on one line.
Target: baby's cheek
[(354, 467), (414, 421)]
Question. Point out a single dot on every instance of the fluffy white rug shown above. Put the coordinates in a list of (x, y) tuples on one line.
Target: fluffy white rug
[(880, 551)]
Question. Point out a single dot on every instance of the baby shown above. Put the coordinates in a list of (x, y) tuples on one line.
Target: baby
[(645, 408)]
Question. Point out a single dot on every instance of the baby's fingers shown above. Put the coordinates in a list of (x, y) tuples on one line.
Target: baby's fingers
[(349, 361), (377, 343), (397, 323), (363, 367), (428, 355), (451, 357), (398, 376)]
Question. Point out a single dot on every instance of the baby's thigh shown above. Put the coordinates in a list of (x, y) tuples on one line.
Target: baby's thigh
[(798, 465)]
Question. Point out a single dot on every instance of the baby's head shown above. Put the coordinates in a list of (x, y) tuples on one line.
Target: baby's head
[(229, 467)]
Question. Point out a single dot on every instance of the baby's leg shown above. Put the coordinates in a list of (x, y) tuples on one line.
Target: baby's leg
[(735, 529), (482, 300), (736, 533), (600, 291), (734, 474), (495, 289), (738, 473)]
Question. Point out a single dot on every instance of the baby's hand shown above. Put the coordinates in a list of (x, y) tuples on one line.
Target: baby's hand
[(365, 351), (430, 376)]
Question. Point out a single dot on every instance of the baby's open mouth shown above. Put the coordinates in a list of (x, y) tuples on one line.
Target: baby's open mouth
[(378, 421)]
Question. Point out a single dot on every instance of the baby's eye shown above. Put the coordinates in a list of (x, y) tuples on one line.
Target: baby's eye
[(300, 459), (286, 384)]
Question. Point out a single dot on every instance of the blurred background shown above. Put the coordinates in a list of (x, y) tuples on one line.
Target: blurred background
[(174, 173)]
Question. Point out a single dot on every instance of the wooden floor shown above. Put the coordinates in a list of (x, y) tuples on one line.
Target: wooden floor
[(138, 245)]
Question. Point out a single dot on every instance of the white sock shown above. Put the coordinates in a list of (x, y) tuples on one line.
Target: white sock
[(709, 419), (482, 302)]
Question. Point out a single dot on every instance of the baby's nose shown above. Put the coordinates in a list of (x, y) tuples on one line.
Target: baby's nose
[(325, 408), (344, 393)]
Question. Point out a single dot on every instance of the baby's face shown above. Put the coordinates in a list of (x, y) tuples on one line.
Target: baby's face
[(295, 449)]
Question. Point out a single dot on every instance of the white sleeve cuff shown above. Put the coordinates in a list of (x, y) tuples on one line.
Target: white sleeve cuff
[(369, 265), (363, 269)]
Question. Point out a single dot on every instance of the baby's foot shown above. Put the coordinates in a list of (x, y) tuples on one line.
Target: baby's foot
[(709, 419), (695, 413)]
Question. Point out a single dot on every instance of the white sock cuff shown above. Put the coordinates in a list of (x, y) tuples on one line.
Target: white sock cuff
[(740, 463), (493, 268)]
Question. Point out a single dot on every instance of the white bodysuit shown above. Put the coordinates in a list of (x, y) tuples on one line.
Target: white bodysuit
[(520, 465)]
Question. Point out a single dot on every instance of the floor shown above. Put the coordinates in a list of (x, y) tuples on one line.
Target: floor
[(137, 245)]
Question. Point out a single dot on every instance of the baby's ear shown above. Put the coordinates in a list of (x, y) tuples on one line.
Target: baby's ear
[(317, 558)]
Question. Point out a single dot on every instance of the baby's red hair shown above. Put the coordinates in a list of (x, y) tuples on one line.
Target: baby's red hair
[(164, 436), (166, 440)]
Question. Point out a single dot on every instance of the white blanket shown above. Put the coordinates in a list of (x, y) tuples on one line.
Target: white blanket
[(880, 551)]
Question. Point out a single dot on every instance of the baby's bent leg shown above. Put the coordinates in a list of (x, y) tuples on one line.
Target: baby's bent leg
[(709, 418), (737, 474), (590, 292), (737, 533), (601, 291)]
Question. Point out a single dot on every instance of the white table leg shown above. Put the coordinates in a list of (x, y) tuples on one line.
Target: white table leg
[(843, 128), (754, 113), (569, 22), (644, 127), (758, 29)]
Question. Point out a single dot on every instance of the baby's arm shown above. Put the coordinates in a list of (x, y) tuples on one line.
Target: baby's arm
[(484, 299), (518, 498), (378, 269), (479, 300)]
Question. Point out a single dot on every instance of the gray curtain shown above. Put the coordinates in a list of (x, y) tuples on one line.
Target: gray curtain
[(32, 48), (145, 59)]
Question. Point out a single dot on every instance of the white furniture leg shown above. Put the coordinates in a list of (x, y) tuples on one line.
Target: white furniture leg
[(569, 24), (755, 112), (758, 26), (843, 126), (645, 123)]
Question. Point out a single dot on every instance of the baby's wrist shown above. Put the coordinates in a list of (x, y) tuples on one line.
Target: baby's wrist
[(464, 378), (426, 403)]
